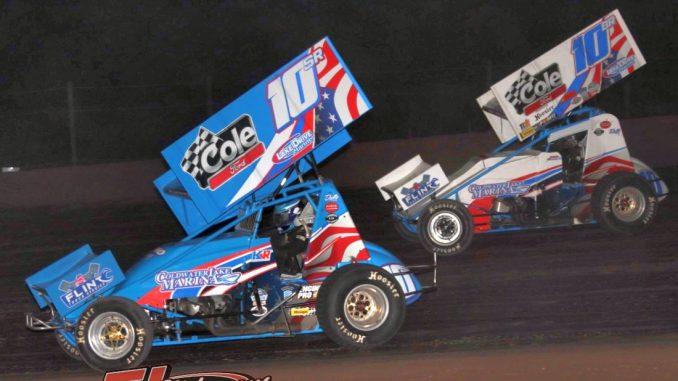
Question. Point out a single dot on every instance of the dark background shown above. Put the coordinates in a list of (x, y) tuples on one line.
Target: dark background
[(145, 72)]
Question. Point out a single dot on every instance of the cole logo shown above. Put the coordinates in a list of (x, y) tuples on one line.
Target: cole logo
[(213, 159), (85, 285), (419, 190), (530, 93)]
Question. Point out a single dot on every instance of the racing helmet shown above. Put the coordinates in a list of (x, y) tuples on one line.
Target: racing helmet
[(285, 215)]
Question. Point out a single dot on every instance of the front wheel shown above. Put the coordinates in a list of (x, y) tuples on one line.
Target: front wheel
[(66, 341), (624, 202), (114, 333), (361, 306), (446, 227)]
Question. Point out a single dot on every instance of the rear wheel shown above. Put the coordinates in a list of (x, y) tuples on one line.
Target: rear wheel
[(624, 202), (114, 333), (446, 227), (361, 306), (406, 229)]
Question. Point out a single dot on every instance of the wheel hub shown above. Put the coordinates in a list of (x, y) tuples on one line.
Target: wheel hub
[(628, 204), (366, 307), (111, 335), (445, 228)]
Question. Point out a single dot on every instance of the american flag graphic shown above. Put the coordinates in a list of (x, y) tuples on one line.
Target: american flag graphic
[(332, 77)]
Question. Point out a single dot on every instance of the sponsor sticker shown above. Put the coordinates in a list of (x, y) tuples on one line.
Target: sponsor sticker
[(331, 218), (213, 276), (215, 158), (263, 255), (295, 145), (529, 93), (309, 292), (331, 207), (619, 66), (615, 131), (598, 132), (302, 311), (419, 190), (605, 124), (496, 189), (85, 285), (331, 197)]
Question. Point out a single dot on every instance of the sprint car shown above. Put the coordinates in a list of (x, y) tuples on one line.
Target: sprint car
[(559, 164), (222, 281)]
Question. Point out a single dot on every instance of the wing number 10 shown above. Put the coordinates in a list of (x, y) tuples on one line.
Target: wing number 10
[(592, 46), (293, 92)]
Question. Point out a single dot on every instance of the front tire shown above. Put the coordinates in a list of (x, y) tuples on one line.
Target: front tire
[(361, 306), (623, 202), (446, 227), (66, 344), (114, 333)]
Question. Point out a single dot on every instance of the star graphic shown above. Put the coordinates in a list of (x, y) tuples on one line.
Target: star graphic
[(333, 118), (317, 118), (326, 96), (329, 129), (320, 106)]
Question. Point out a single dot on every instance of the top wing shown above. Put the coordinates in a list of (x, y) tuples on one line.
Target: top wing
[(568, 75), (301, 109)]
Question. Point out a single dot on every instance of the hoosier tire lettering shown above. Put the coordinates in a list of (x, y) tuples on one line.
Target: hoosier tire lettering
[(113, 333), (360, 306), (446, 227)]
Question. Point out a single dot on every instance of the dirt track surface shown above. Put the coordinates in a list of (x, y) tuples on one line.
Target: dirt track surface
[(548, 286), (656, 361)]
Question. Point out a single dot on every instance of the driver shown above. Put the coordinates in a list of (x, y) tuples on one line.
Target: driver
[(291, 238)]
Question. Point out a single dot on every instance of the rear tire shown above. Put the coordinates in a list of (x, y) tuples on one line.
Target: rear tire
[(114, 333), (624, 203), (446, 227), (361, 306), (406, 230)]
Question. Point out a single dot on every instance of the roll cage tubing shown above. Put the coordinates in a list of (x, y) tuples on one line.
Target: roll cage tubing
[(251, 205), (573, 118)]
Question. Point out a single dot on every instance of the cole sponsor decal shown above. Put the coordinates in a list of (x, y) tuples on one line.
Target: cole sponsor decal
[(213, 159), (419, 190), (496, 189), (85, 285), (530, 93), (213, 276), (162, 373), (294, 146)]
